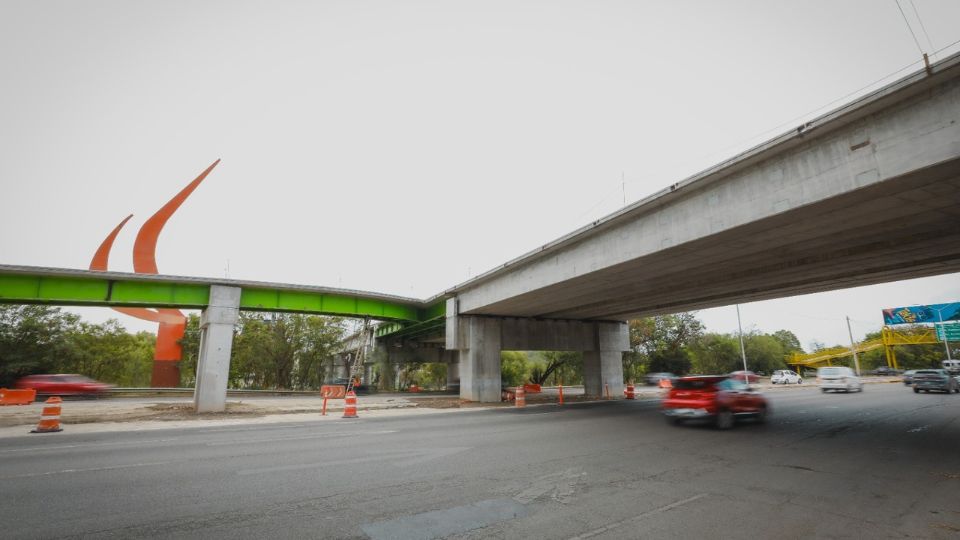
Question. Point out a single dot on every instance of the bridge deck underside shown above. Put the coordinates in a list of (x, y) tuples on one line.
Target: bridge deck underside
[(903, 228)]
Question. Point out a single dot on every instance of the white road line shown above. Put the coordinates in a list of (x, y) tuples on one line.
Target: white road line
[(917, 429), (84, 445), (619, 524), (94, 469), (324, 435)]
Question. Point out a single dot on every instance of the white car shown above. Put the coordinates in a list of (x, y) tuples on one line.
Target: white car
[(838, 378), (785, 376)]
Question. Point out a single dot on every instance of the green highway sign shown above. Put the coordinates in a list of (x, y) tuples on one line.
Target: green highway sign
[(953, 331)]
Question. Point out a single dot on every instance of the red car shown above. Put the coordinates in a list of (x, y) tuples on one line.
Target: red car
[(63, 385), (719, 398), (739, 375)]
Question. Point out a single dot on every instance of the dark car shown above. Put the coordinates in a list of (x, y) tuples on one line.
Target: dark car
[(357, 387), (886, 370), (934, 379), (652, 379), (64, 385), (716, 398), (908, 376)]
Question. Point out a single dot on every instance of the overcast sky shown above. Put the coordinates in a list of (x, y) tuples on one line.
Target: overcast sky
[(403, 147)]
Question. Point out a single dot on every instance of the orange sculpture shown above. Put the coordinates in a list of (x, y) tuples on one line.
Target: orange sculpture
[(172, 322)]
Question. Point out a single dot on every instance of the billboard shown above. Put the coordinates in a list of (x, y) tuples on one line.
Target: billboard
[(922, 314)]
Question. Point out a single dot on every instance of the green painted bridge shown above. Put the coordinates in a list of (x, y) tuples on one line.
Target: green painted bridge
[(65, 287)]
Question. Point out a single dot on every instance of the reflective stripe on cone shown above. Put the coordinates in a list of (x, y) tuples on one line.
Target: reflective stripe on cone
[(50, 417), (350, 405)]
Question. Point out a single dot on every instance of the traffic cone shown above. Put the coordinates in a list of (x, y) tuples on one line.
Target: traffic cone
[(521, 399), (350, 405), (50, 417), (631, 394)]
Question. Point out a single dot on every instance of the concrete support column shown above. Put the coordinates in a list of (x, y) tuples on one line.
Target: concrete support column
[(603, 366), (480, 360), (367, 374), (216, 342)]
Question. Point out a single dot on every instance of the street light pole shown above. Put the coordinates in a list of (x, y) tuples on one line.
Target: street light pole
[(946, 342), (743, 351), (853, 348)]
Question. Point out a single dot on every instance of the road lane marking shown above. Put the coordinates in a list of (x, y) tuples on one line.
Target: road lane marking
[(917, 429), (93, 469), (617, 525), (84, 445), (300, 438)]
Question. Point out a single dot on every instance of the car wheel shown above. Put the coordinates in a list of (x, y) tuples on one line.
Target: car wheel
[(799, 381), (725, 419), (674, 421), (916, 390)]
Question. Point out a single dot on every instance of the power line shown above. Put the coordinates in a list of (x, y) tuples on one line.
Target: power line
[(922, 27), (905, 21)]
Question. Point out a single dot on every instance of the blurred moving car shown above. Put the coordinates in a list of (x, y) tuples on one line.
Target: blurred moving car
[(64, 385), (652, 379), (908, 376), (935, 379), (719, 398), (838, 378), (785, 376), (886, 370), (750, 376)]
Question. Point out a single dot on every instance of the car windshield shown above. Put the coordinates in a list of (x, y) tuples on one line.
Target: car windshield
[(830, 371), (731, 385), (694, 384)]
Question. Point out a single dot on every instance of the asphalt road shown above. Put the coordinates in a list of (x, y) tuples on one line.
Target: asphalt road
[(881, 464)]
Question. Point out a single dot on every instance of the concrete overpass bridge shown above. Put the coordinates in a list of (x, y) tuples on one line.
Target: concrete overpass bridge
[(867, 193)]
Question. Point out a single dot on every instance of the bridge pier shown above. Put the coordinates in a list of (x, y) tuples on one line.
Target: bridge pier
[(216, 342), (479, 340)]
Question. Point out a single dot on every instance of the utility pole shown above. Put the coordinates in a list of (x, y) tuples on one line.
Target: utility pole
[(743, 351), (853, 348)]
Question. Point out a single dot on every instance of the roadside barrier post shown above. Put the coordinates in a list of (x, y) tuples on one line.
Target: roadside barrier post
[(50, 417), (350, 405), (606, 390), (560, 387), (323, 411), (521, 399), (631, 393)]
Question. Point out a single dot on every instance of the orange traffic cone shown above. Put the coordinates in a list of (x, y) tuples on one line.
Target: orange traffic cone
[(350, 405), (50, 417), (631, 394), (521, 399)]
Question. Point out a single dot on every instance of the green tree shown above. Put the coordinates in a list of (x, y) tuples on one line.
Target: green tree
[(33, 339), (547, 363), (289, 351), (661, 343), (764, 353), (715, 354), (514, 368)]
